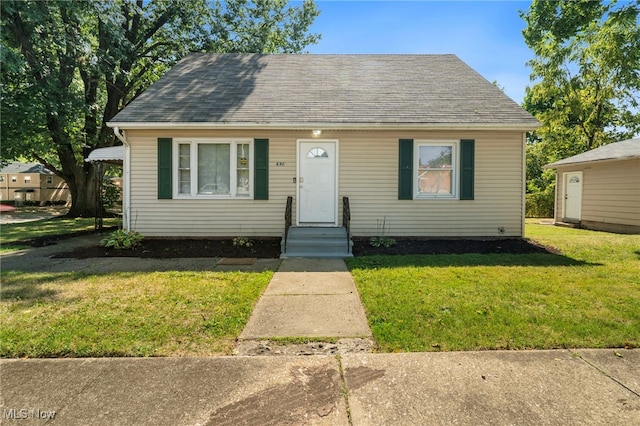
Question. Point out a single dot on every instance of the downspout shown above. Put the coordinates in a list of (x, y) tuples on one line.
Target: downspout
[(555, 198), (524, 183), (126, 165)]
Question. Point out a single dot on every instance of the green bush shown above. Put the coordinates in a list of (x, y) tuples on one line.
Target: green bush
[(382, 241), (110, 193), (122, 239), (242, 242), (541, 204)]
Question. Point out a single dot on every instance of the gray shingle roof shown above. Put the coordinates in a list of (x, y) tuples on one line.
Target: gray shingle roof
[(252, 89), (623, 150), (16, 167)]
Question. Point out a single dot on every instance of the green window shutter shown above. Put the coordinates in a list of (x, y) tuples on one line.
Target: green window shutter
[(405, 170), (467, 165), (261, 169), (165, 151)]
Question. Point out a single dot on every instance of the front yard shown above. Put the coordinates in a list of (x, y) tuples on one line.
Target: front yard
[(125, 314), (587, 296)]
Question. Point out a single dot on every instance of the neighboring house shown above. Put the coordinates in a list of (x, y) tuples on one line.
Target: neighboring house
[(31, 183), (421, 142), (600, 189)]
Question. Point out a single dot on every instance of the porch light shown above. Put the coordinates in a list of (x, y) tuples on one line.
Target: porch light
[(316, 132)]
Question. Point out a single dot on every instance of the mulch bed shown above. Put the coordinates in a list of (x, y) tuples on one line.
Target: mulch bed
[(449, 246), (269, 248)]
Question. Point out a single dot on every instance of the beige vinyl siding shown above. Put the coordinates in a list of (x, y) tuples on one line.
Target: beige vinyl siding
[(368, 175), (610, 192), (206, 217)]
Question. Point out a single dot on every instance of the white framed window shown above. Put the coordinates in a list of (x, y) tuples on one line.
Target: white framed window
[(49, 180), (213, 168), (14, 179), (436, 165), (27, 179)]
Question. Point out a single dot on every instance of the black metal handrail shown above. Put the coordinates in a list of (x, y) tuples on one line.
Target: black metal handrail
[(346, 220), (287, 220)]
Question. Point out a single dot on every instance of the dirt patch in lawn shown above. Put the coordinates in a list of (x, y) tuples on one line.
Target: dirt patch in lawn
[(269, 248)]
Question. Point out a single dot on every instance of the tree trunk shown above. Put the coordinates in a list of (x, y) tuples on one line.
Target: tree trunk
[(84, 199)]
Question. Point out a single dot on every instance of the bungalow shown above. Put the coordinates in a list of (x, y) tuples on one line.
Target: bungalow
[(600, 189), (32, 183), (222, 143)]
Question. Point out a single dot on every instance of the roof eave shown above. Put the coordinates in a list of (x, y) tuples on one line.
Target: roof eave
[(524, 126), (577, 163)]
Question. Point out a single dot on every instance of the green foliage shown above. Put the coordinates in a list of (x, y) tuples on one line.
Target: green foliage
[(243, 242), (586, 82), (586, 73), (541, 203), (68, 67), (110, 193), (382, 240), (249, 26), (122, 239)]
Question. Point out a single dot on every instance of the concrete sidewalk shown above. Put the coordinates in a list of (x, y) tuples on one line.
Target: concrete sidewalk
[(591, 387)]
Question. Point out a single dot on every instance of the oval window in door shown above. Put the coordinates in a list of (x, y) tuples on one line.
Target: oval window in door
[(317, 153), (574, 179)]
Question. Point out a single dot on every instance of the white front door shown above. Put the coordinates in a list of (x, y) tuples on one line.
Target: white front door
[(573, 196), (317, 183)]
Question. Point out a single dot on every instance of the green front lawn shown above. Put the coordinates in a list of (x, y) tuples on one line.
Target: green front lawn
[(125, 314), (587, 296), (12, 233)]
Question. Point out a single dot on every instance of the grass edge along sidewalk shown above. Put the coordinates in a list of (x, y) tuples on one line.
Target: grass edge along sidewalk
[(586, 296)]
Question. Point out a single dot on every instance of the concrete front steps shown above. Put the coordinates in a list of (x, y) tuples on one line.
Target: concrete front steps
[(317, 243)]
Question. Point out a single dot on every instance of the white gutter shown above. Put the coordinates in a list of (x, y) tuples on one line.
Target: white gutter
[(322, 126), (524, 184), (126, 166)]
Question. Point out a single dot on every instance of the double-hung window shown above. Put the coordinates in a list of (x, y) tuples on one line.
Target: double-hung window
[(436, 169), (213, 168)]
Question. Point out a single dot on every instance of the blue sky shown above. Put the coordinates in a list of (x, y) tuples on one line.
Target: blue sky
[(487, 35)]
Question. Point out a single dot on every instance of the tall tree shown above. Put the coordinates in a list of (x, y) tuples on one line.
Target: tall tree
[(68, 67), (586, 79)]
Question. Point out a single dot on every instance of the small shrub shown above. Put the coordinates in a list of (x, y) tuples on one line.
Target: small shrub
[(540, 204), (382, 241), (122, 239), (110, 193), (242, 242)]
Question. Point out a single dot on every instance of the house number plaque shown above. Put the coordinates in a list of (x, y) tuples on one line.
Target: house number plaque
[(279, 163)]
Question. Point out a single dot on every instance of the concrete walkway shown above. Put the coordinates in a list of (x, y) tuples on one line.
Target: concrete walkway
[(309, 298)]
